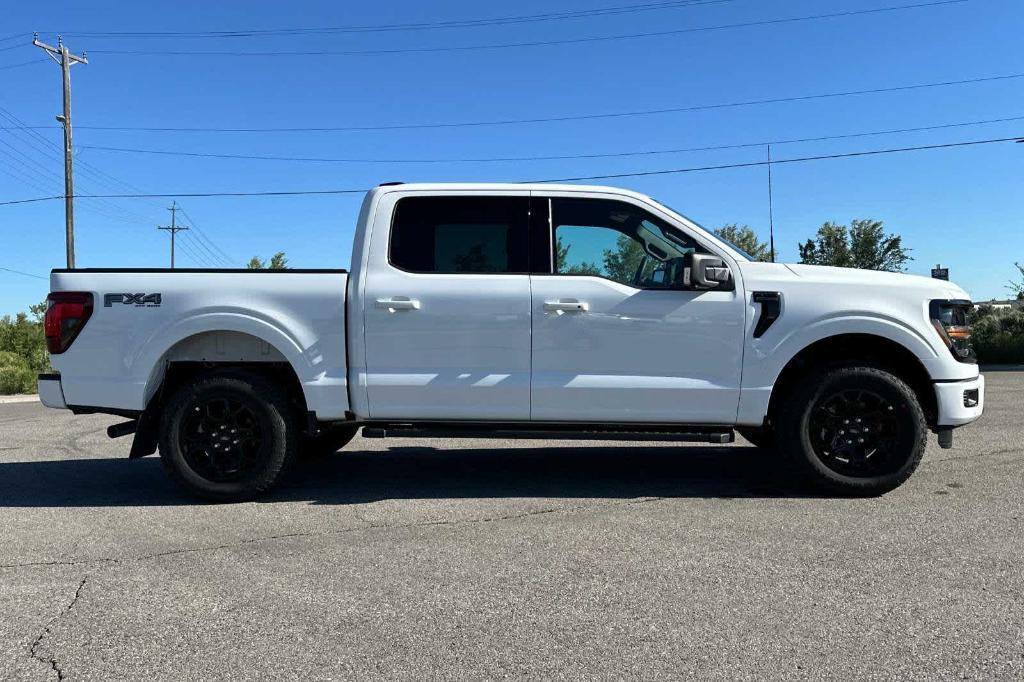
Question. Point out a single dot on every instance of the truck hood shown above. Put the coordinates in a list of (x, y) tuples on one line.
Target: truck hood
[(758, 275)]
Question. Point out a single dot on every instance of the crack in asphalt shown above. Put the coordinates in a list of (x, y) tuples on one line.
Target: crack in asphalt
[(338, 531), (76, 441), (980, 455), (34, 649)]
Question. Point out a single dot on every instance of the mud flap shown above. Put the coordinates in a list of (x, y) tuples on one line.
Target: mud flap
[(146, 433)]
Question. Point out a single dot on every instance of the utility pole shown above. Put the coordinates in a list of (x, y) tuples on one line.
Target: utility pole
[(771, 212), (62, 56), (173, 228)]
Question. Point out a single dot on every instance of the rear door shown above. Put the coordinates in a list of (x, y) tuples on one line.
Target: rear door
[(447, 308), (616, 338)]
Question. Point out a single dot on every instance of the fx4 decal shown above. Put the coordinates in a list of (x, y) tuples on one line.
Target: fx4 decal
[(137, 300)]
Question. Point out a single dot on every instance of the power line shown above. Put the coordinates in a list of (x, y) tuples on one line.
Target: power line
[(202, 251), (193, 195), (534, 43), (776, 162), (197, 256), (19, 175), (220, 252), (26, 274), (22, 177), (454, 23), (39, 145), (566, 118), (499, 159), (19, 64), (30, 201), (870, 152)]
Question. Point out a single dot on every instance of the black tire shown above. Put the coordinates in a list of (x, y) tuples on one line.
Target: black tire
[(329, 440), (759, 436), (227, 436), (853, 430)]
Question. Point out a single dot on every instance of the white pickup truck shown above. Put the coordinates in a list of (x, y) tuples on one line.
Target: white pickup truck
[(509, 310)]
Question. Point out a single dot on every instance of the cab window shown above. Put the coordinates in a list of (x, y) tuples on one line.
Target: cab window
[(467, 235), (617, 241)]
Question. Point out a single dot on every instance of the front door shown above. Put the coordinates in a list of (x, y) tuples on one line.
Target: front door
[(447, 309), (615, 337)]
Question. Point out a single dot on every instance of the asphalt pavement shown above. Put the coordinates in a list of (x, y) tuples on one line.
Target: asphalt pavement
[(474, 559)]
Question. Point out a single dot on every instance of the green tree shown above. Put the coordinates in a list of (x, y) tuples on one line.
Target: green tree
[(745, 238), (997, 335), (863, 245), (277, 262), (563, 266), (22, 350), (622, 263), (1018, 287)]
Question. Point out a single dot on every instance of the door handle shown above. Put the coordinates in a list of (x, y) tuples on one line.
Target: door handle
[(567, 306), (393, 304)]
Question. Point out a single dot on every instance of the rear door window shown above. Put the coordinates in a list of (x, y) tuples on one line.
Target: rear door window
[(468, 235)]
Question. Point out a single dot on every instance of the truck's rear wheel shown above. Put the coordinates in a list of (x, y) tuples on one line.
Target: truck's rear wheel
[(227, 436), (853, 430)]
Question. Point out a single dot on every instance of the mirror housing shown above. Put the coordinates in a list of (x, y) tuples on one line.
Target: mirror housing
[(704, 271)]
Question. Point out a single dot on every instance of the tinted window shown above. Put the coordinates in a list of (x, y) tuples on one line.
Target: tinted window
[(618, 241), (460, 234)]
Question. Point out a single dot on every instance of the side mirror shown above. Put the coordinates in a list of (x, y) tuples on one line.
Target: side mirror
[(704, 271)]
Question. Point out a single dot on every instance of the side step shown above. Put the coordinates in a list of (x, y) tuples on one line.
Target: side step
[(716, 435)]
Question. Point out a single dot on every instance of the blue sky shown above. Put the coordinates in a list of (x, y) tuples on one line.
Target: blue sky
[(961, 207)]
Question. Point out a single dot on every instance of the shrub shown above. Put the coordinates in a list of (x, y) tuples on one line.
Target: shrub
[(22, 351), (998, 336), (15, 374)]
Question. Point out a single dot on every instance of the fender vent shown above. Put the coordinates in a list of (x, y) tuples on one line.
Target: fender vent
[(771, 308)]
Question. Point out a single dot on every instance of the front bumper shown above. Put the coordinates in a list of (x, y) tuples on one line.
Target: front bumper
[(960, 402), (50, 392)]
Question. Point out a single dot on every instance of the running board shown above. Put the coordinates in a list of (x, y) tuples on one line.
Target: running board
[(716, 435)]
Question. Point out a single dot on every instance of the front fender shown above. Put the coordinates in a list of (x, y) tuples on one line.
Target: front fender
[(768, 356)]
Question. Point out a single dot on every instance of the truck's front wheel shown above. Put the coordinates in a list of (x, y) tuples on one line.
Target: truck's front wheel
[(227, 436), (853, 430)]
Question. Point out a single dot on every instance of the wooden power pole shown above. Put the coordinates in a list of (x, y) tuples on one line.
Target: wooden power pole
[(62, 56), (173, 228)]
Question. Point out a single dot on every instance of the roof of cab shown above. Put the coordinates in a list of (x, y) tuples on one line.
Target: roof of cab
[(502, 186)]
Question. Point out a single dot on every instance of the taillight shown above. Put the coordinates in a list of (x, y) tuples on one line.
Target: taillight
[(949, 317), (66, 314)]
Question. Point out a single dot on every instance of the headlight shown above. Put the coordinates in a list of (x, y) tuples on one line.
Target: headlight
[(949, 317)]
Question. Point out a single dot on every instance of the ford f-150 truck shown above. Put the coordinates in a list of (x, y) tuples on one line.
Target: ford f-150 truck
[(509, 310)]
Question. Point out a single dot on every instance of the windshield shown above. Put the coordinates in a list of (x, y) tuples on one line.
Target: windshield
[(718, 236), (736, 248)]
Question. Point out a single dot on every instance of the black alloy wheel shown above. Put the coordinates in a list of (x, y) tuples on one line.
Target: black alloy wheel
[(856, 432), (221, 438), (853, 430), (228, 435)]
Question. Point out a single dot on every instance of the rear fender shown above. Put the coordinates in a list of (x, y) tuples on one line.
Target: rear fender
[(324, 388)]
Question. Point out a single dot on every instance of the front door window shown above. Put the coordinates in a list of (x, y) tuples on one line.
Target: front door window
[(617, 241)]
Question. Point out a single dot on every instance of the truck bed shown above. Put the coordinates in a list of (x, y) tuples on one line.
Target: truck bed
[(142, 319)]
